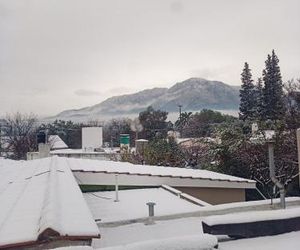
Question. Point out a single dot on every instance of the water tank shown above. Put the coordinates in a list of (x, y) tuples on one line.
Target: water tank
[(124, 141), (92, 138), (41, 137)]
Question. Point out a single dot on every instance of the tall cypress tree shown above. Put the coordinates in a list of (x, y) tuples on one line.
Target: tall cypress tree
[(247, 95), (273, 96)]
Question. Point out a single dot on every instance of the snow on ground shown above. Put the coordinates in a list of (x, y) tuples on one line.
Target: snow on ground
[(288, 241), (132, 204), (114, 236)]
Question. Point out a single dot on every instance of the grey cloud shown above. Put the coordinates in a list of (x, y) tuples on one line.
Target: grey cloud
[(56, 52), (176, 6)]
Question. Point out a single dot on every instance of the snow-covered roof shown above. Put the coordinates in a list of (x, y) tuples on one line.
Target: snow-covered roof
[(180, 140), (252, 216), (39, 200), (121, 235), (142, 140), (139, 232), (190, 242), (132, 204), (69, 151), (289, 241), (188, 142), (263, 136), (56, 142), (166, 175)]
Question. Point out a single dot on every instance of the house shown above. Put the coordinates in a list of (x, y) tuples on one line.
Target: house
[(211, 187), (92, 147), (42, 206), (100, 154), (56, 142)]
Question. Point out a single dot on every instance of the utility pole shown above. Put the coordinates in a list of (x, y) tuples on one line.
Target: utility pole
[(180, 125), (179, 106), (298, 148)]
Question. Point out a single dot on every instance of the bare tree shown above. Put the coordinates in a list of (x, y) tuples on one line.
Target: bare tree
[(237, 155), (292, 101), (19, 135)]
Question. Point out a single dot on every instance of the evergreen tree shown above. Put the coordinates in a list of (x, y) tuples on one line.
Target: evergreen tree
[(154, 123), (273, 96), (259, 99), (247, 95)]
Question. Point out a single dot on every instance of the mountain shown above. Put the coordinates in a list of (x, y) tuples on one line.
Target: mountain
[(193, 94)]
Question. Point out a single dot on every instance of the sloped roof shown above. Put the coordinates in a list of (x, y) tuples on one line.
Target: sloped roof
[(79, 165), (40, 200), (56, 142)]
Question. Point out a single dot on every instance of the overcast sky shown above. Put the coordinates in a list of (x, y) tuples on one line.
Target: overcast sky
[(62, 54)]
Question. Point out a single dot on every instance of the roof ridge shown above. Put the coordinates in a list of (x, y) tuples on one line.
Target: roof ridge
[(49, 218)]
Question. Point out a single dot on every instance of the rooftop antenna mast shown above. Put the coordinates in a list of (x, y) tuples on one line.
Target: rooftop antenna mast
[(179, 106), (180, 126)]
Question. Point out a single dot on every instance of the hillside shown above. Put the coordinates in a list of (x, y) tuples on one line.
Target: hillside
[(193, 94)]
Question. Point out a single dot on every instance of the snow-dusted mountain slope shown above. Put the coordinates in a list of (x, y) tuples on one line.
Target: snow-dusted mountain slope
[(193, 94)]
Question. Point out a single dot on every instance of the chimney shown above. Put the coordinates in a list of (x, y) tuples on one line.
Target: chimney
[(44, 150), (43, 146)]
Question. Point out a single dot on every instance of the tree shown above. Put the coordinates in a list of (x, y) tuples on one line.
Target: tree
[(247, 95), (273, 96), (19, 135), (164, 152), (68, 131), (154, 123), (183, 120), (259, 99), (292, 102), (202, 124), (115, 127), (198, 153), (237, 155)]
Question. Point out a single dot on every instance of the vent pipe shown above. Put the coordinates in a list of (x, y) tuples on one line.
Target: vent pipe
[(116, 188), (151, 213)]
